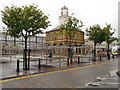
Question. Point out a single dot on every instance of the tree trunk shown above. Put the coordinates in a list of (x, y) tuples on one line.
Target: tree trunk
[(14, 41), (108, 55), (29, 55), (25, 52), (36, 40), (6, 39), (70, 50), (95, 51), (22, 41)]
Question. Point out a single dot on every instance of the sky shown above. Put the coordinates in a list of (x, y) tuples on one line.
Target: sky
[(90, 12)]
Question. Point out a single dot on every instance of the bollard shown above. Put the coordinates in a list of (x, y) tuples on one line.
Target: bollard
[(68, 61), (78, 60), (18, 69), (109, 56), (39, 66)]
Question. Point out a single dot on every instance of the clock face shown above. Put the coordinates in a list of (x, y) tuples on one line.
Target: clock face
[(64, 12)]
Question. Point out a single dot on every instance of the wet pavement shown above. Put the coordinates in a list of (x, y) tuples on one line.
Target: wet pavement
[(8, 67), (75, 77), (104, 82), (112, 80)]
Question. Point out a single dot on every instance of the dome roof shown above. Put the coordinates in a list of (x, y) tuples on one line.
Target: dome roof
[(64, 7)]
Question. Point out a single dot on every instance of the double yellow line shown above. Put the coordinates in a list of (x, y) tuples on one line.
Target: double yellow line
[(23, 77)]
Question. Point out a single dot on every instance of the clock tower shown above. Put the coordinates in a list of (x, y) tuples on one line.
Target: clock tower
[(64, 15)]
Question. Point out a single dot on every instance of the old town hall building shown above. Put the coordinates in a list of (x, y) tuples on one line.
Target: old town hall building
[(56, 39)]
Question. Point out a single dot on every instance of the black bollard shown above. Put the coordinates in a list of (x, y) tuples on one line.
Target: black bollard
[(68, 61), (109, 56), (78, 60), (18, 69), (39, 66)]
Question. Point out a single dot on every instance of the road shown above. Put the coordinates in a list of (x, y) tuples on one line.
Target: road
[(69, 78)]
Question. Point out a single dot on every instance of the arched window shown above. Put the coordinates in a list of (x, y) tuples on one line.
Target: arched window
[(54, 36), (76, 48), (54, 49), (61, 50), (61, 36)]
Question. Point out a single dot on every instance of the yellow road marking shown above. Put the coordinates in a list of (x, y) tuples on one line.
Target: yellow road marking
[(114, 70), (23, 77)]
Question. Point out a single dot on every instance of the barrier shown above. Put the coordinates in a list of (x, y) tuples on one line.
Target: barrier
[(18, 69)]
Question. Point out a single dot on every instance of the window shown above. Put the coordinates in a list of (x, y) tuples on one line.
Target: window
[(79, 50), (61, 50), (48, 36), (54, 36), (75, 36), (64, 12), (61, 36)]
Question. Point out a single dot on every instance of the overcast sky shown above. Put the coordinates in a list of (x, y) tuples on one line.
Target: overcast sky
[(90, 12)]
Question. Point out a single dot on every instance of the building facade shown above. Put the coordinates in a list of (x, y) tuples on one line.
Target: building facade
[(56, 39)]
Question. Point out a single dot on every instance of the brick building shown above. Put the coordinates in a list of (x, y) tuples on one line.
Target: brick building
[(56, 39)]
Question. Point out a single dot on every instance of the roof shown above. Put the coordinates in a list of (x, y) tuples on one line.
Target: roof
[(57, 28), (54, 29), (64, 7)]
